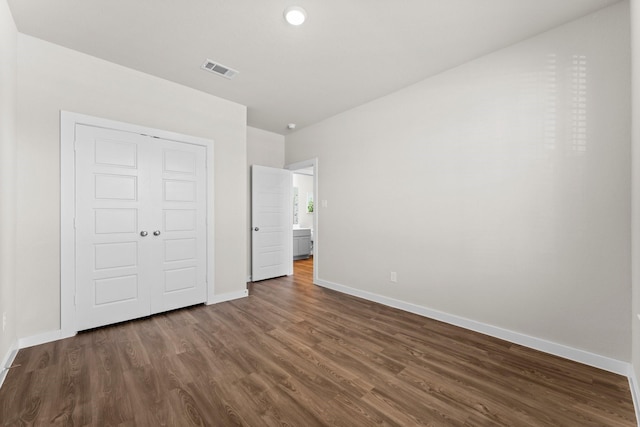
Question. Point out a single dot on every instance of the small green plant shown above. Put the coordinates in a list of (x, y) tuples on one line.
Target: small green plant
[(310, 206)]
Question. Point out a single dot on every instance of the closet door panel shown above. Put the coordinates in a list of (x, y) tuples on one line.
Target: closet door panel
[(110, 262), (184, 229)]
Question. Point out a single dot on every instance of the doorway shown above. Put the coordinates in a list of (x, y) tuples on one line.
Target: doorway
[(307, 198)]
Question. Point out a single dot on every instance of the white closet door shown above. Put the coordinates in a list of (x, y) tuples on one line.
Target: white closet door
[(140, 225), (110, 253), (182, 205)]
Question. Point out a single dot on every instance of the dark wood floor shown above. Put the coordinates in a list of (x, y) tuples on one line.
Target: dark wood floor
[(293, 354)]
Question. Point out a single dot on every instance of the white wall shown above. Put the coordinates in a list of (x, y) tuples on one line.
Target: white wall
[(8, 86), (264, 148), (305, 186), (635, 55), (80, 83), (485, 192)]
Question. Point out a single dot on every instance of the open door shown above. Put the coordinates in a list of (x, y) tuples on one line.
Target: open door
[(271, 223)]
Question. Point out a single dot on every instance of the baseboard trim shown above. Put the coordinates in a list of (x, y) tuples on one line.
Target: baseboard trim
[(7, 361), (577, 355), (635, 392), (229, 296), (42, 338)]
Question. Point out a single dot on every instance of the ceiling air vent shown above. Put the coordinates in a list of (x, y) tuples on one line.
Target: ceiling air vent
[(219, 69)]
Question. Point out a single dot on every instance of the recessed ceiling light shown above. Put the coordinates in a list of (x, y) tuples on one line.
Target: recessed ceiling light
[(291, 126), (295, 15)]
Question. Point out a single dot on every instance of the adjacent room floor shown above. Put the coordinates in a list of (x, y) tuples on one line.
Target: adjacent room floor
[(296, 354)]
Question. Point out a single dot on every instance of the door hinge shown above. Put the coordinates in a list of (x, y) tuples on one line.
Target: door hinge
[(74, 223), (75, 299)]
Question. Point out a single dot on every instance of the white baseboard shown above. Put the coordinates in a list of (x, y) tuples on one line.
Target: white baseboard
[(42, 338), (7, 361), (215, 299), (635, 392), (577, 355)]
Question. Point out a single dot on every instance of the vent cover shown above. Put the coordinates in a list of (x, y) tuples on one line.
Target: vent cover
[(219, 69)]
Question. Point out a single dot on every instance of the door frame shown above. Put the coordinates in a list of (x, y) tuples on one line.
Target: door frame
[(68, 122), (316, 207)]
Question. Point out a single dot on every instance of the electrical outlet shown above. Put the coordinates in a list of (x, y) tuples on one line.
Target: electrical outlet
[(394, 277)]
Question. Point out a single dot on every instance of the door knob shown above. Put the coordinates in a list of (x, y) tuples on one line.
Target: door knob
[(143, 233), (256, 229), (156, 233)]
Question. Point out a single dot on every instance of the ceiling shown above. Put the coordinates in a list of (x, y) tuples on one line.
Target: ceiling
[(347, 53)]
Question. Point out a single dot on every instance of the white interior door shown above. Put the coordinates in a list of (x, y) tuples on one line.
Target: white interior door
[(182, 246), (272, 223), (140, 225)]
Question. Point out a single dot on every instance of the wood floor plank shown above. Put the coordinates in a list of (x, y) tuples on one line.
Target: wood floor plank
[(70, 403), (294, 354)]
